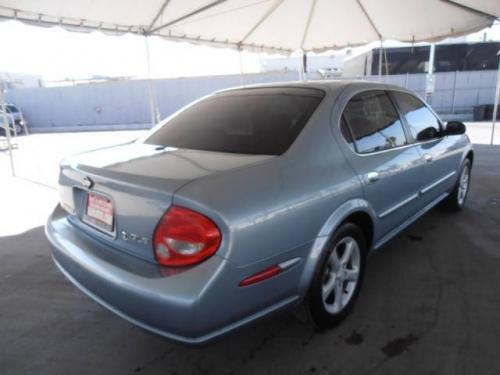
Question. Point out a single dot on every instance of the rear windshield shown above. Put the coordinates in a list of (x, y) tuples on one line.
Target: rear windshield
[(251, 121)]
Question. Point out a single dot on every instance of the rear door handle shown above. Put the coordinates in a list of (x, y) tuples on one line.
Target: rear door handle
[(372, 177), (427, 158)]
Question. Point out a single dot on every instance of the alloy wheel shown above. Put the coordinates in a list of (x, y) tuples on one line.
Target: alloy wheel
[(463, 185), (341, 275)]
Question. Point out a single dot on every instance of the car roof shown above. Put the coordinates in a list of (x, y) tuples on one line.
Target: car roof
[(332, 86)]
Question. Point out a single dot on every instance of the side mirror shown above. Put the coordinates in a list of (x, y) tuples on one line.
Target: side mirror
[(427, 134), (454, 128)]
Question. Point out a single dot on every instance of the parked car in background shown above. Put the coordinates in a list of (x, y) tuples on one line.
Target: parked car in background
[(252, 201), (17, 123)]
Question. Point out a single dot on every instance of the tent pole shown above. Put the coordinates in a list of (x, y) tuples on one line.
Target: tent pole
[(380, 59), (429, 78), (6, 126), (240, 57), (386, 63), (432, 53), (304, 65), (495, 103), (152, 98), (302, 75)]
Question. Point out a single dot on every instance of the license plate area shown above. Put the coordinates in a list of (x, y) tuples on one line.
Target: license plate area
[(99, 212)]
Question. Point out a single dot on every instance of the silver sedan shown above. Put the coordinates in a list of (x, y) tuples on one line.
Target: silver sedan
[(252, 201)]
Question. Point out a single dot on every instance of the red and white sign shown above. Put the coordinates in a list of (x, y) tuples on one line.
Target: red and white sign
[(100, 211)]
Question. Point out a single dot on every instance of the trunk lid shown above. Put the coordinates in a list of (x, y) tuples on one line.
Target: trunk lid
[(139, 180)]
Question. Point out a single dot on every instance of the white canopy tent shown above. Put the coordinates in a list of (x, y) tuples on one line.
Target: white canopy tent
[(281, 26), (276, 26)]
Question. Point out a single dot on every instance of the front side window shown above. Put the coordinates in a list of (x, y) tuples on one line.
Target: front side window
[(374, 122), (252, 121), (423, 124)]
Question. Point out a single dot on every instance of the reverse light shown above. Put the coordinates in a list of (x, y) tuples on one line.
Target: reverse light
[(184, 237)]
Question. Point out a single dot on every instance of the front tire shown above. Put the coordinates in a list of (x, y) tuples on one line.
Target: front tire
[(456, 200), (338, 277)]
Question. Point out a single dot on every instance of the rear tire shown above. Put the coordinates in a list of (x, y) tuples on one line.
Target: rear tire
[(338, 277), (456, 200), (19, 129)]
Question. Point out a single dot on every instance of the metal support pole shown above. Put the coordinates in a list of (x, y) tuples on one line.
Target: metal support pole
[(386, 63), (380, 59), (304, 65), (495, 103), (153, 105), (302, 75), (453, 98), (429, 85), (6, 126), (242, 81), (432, 51)]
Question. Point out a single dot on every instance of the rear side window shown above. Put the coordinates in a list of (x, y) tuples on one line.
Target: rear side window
[(374, 122), (423, 124), (253, 121)]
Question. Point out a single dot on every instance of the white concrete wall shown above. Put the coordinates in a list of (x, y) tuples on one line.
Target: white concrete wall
[(125, 104)]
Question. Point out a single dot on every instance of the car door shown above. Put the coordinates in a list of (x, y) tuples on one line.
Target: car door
[(440, 153), (388, 165)]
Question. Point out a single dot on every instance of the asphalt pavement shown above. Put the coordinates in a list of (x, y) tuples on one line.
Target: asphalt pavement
[(430, 304)]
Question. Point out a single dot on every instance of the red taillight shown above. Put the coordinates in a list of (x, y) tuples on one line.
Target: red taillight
[(185, 237)]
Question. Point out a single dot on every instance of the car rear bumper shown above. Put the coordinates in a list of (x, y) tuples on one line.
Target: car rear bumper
[(191, 305)]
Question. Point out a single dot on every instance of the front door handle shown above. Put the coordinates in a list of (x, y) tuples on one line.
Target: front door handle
[(428, 158), (372, 177)]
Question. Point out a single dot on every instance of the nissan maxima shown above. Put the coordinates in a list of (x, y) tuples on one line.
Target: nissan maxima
[(253, 201)]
